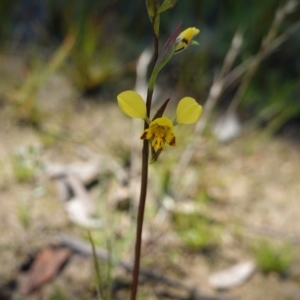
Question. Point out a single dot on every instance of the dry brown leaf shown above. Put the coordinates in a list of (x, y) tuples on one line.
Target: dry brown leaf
[(44, 268)]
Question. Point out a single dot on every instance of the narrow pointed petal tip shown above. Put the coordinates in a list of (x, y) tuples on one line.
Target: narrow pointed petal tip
[(188, 111), (132, 105), (155, 156)]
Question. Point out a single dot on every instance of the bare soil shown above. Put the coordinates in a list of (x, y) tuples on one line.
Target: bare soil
[(254, 184)]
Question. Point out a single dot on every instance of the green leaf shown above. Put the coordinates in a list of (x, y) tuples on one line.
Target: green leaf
[(151, 8), (156, 25), (165, 55), (167, 4)]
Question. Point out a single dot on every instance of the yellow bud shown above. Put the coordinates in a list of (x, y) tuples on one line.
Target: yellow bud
[(186, 38)]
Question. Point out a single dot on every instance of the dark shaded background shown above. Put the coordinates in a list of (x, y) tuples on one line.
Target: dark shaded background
[(118, 31)]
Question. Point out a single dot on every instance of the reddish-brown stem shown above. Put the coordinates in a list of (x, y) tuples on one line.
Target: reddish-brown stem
[(143, 191), (141, 210), (140, 220)]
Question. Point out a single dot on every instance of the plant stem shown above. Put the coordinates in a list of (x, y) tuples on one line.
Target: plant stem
[(140, 220), (97, 269), (143, 191), (141, 210)]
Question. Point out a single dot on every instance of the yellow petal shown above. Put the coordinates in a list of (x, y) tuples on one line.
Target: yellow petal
[(158, 143), (189, 33), (132, 105), (163, 121), (147, 134), (188, 111), (170, 138)]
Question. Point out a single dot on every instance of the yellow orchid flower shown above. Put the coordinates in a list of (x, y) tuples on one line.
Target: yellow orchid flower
[(185, 38), (161, 129)]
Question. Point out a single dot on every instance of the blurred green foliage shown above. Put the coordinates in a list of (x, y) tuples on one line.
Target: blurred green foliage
[(25, 164), (271, 257), (112, 33), (196, 231)]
